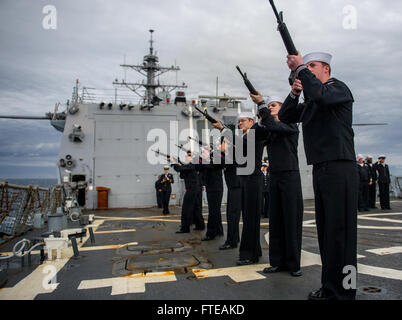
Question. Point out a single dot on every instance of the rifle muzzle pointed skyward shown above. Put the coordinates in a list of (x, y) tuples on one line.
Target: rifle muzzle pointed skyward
[(287, 39)]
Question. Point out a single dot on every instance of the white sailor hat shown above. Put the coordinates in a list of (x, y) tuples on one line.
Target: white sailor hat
[(369, 156), (317, 56), (274, 99), (166, 167), (264, 164), (381, 156), (360, 156), (245, 115)]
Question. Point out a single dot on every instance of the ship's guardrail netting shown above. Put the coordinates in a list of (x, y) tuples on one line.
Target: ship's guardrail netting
[(19, 204)]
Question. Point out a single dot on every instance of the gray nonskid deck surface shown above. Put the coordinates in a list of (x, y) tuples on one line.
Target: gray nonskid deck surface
[(137, 255)]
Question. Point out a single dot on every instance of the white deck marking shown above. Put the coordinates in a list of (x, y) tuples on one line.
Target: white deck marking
[(386, 251), (131, 284)]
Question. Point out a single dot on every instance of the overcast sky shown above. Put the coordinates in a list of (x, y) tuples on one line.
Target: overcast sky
[(207, 38)]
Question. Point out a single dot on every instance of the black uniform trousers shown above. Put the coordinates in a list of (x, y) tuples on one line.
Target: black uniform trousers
[(233, 212), (336, 198), (214, 226), (265, 204), (250, 246), (285, 220), (159, 198), (363, 195), (191, 212), (383, 189), (372, 194), (165, 201)]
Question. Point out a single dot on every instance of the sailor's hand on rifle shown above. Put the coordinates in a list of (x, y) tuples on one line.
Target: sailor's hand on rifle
[(257, 98), (297, 87), (218, 125), (294, 61)]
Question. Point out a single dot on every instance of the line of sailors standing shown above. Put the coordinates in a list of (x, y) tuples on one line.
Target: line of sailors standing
[(326, 114), (371, 174)]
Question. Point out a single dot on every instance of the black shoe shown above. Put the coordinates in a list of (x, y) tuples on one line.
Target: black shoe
[(366, 209), (221, 234), (389, 208), (226, 246), (198, 229), (317, 295), (183, 231), (207, 238), (373, 208), (274, 269), (297, 273), (245, 262)]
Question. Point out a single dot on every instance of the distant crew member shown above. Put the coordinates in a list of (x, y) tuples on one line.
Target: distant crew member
[(251, 184), (384, 181), (265, 190), (158, 193), (233, 208), (165, 183), (213, 181), (286, 199), (326, 115), (364, 181), (373, 184), (190, 212)]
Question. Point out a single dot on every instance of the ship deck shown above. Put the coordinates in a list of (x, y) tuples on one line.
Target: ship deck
[(138, 256)]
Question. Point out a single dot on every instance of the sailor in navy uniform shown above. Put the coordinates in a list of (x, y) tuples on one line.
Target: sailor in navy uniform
[(364, 181), (233, 208), (249, 173), (326, 115), (213, 182), (190, 210), (384, 180), (286, 199), (373, 183), (265, 190), (165, 184)]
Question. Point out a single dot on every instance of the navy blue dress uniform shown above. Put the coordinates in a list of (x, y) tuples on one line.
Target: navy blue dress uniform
[(286, 199), (233, 208), (384, 180), (364, 180), (251, 194), (373, 185), (265, 191), (326, 115), (213, 182), (165, 184), (191, 211), (158, 193)]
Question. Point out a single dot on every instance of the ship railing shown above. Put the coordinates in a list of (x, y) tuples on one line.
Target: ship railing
[(93, 95), (19, 204)]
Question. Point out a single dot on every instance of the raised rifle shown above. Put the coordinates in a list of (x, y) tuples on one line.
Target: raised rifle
[(167, 156), (287, 39), (206, 115), (182, 148), (247, 82)]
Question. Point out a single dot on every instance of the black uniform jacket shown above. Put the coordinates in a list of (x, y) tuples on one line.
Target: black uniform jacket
[(281, 143), (189, 174), (326, 115), (165, 182), (383, 173), (364, 173)]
